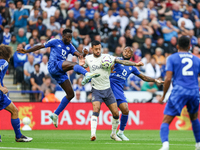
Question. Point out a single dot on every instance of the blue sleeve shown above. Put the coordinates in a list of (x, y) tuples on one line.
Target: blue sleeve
[(169, 64), (3, 64), (135, 71), (72, 49), (25, 12), (50, 43), (15, 59)]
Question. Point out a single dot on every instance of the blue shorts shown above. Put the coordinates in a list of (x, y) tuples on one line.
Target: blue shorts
[(56, 71), (179, 98), (118, 93), (4, 102)]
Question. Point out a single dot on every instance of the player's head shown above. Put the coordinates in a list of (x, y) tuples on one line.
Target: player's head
[(5, 52), (127, 53), (96, 48), (183, 43), (67, 36)]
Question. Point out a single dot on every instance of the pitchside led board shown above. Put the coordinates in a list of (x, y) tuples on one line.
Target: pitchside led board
[(142, 116)]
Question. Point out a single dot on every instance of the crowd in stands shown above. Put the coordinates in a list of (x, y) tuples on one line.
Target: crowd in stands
[(150, 27)]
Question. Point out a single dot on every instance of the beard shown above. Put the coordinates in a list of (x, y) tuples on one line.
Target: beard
[(126, 58)]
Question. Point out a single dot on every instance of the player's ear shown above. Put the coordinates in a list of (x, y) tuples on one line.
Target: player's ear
[(177, 46)]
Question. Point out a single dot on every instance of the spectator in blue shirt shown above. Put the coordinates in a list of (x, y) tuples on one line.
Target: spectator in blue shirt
[(193, 39), (90, 11), (20, 18), (135, 83), (6, 35), (177, 14), (169, 31), (76, 9), (21, 38)]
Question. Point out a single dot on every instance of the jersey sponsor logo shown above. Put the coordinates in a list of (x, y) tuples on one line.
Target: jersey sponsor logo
[(124, 73), (120, 76), (95, 67)]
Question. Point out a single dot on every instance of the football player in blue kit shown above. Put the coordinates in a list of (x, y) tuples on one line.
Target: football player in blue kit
[(182, 69), (5, 102), (117, 81), (58, 66)]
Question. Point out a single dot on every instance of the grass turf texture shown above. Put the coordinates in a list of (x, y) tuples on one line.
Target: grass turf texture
[(80, 140)]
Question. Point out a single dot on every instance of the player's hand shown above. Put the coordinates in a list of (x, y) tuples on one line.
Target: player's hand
[(159, 81), (112, 68), (161, 100), (4, 90), (81, 61), (21, 50), (139, 64)]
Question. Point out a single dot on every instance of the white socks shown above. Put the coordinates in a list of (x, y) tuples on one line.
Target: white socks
[(166, 144), (115, 123), (93, 125), (120, 132)]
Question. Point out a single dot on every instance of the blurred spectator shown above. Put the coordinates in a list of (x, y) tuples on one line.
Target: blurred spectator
[(44, 64), (136, 19), (101, 10), (6, 35), (172, 48), (129, 37), (92, 30), (13, 43), (33, 19), (192, 13), (149, 86), (28, 68), (49, 97), (75, 38), (152, 69), (115, 8), (5, 13), (19, 59), (90, 11), (196, 51), (169, 31), (53, 26), (48, 50), (97, 20), (122, 42), (49, 8), (35, 35), (197, 28), (128, 9), (37, 57), (78, 86), (147, 47), (105, 51), (113, 41), (63, 10), (49, 34), (21, 38), (78, 98), (36, 80), (146, 59), (153, 16), (118, 52), (157, 32), (177, 14), (124, 21), (136, 53), (118, 26), (105, 30), (139, 37), (36, 5), (147, 30), (47, 84), (162, 45), (142, 11), (188, 23), (162, 21), (135, 83), (198, 10), (182, 4), (46, 20), (164, 10), (76, 9), (83, 30), (151, 8), (70, 21), (198, 41), (193, 39), (131, 27), (31, 44), (11, 9), (110, 19), (20, 18), (40, 26), (82, 15), (160, 59), (183, 30), (58, 18)]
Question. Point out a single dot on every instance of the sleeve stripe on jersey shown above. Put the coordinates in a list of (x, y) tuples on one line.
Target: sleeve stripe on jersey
[(3, 66)]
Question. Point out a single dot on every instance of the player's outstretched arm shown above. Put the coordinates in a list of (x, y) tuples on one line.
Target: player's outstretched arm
[(128, 63), (149, 79), (80, 55), (34, 48)]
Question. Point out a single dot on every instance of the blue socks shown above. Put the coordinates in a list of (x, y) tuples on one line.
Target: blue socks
[(196, 129), (124, 119), (16, 126), (80, 69), (62, 105), (164, 132)]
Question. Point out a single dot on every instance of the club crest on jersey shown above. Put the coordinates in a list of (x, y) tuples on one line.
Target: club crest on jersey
[(67, 48), (130, 68), (59, 45)]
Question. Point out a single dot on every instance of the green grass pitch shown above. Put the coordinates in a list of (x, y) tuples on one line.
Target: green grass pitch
[(80, 140)]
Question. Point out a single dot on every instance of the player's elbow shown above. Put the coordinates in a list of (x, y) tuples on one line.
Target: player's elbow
[(167, 79)]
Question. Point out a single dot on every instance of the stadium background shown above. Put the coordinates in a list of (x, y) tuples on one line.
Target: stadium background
[(151, 28)]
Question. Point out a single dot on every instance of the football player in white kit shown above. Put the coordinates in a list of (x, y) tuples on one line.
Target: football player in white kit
[(101, 91)]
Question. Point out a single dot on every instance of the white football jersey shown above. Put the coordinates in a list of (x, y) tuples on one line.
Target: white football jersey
[(102, 82)]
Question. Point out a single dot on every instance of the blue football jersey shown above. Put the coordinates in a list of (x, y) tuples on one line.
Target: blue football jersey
[(59, 51), (3, 69), (122, 73), (185, 68)]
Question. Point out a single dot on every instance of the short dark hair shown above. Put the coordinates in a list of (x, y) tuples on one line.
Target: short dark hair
[(184, 42), (37, 65), (47, 77), (5, 52), (67, 31), (40, 18), (94, 43)]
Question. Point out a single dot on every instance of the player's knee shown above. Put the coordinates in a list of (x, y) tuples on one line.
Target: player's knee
[(15, 111), (70, 96), (193, 116), (115, 113), (125, 112)]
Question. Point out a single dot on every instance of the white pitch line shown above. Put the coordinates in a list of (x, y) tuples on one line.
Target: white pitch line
[(25, 148), (152, 144)]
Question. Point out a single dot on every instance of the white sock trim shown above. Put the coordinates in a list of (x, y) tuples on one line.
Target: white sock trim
[(166, 144), (93, 125)]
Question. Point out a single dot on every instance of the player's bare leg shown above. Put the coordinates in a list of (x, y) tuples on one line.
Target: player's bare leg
[(196, 129), (115, 121), (124, 118), (96, 109), (164, 131), (16, 124)]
